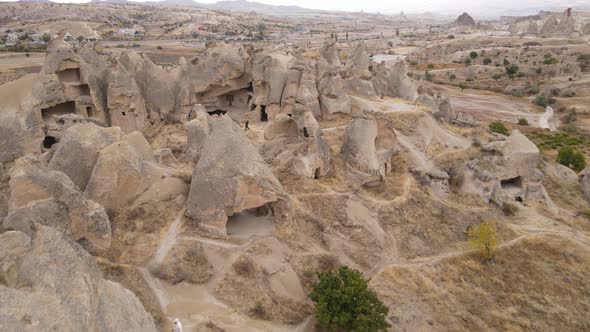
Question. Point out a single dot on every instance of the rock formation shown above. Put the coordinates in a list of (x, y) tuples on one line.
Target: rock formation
[(368, 149), (465, 20), (391, 80), (229, 177)]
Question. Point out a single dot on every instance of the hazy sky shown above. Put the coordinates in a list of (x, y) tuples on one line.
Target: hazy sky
[(450, 7)]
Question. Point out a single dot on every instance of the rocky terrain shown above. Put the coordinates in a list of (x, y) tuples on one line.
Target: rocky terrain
[(210, 180)]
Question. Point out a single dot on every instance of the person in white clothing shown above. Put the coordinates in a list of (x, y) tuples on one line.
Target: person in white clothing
[(177, 325)]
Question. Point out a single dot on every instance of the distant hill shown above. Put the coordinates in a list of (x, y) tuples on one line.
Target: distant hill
[(229, 5)]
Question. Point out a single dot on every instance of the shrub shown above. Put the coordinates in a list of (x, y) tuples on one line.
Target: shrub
[(343, 301), (452, 77), (159, 47), (430, 66), (487, 61), (451, 36), (428, 76), (497, 76), (570, 157), (258, 310), (473, 55), (511, 69), (543, 101), (467, 62), (462, 86), (523, 122), (505, 63), (499, 128), (550, 61), (413, 63), (483, 237), (584, 61), (135, 45)]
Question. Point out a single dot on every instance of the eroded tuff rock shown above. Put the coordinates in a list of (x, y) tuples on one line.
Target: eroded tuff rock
[(391, 80), (464, 20), (78, 149), (21, 126), (506, 168), (125, 102), (297, 144), (51, 283), (229, 177), (32, 185), (358, 74), (300, 87), (584, 178), (368, 149), (137, 174), (221, 69), (270, 73)]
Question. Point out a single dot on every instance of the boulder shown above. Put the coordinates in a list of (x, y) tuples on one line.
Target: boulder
[(78, 149), (134, 175), (31, 183), (229, 177), (51, 283)]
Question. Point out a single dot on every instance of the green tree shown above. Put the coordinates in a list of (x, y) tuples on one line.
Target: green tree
[(473, 55), (484, 237), (499, 128), (462, 86), (570, 157), (487, 61), (543, 101), (344, 302)]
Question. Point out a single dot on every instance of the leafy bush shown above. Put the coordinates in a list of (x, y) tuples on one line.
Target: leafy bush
[(511, 69), (473, 55), (413, 63), (497, 76), (467, 62), (505, 63), (543, 101), (159, 47), (428, 76), (499, 128), (483, 237), (344, 302), (452, 77), (487, 61), (550, 61), (570, 157), (430, 66), (523, 122)]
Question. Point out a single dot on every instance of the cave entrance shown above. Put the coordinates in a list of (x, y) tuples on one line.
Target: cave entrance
[(49, 141), (251, 222), (68, 107), (70, 75), (263, 115), (218, 112), (513, 186), (89, 111), (316, 174), (305, 133)]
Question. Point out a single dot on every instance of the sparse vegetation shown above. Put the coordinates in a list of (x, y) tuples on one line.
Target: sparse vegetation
[(343, 302), (452, 77), (511, 70), (467, 61), (570, 157), (499, 128), (523, 122), (487, 61), (483, 237), (543, 101), (473, 55)]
